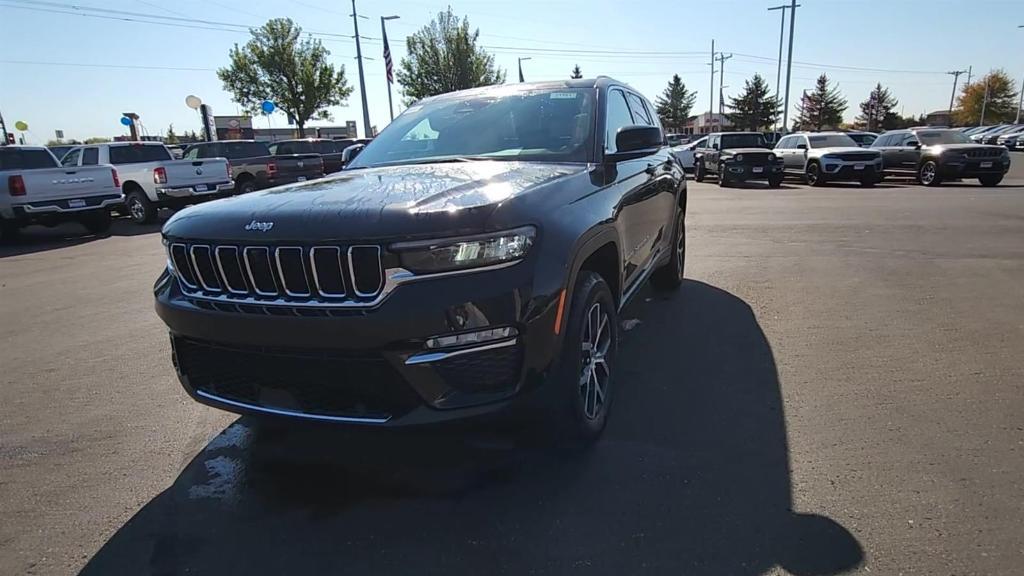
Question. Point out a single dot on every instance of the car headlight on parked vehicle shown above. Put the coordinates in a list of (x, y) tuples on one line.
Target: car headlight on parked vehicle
[(738, 157), (771, 157), (445, 255)]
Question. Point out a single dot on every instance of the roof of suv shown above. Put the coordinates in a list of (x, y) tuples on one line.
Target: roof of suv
[(600, 82)]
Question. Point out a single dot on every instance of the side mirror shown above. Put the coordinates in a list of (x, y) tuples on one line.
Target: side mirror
[(633, 142), (714, 146), (913, 144), (349, 154), (801, 146)]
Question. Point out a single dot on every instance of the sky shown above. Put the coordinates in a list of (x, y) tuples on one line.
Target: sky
[(63, 71)]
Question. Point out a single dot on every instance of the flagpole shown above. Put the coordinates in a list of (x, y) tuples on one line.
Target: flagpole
[(388, 67)]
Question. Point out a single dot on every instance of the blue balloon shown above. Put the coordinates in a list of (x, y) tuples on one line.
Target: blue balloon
[(126, 121), (267, 106)]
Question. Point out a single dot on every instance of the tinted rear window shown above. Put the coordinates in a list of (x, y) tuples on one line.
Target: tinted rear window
[(18, 159), (134, 154), (234, 150), (743, 141), (324, 147), (304, 147)]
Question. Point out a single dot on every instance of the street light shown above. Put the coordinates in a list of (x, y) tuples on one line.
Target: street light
[(388, 66), (520, 67)]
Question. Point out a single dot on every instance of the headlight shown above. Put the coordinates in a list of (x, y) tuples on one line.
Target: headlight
[(771, 157), (461, 253), (739, 157)]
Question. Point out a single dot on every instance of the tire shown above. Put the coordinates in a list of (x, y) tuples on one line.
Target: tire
[(245, 186), (990, 179), (670, 275), (813, 175), (8, 230), (723, 177), (868, 182), (928, 173), (775, 181), (698, 171), (582, 409), (140, 209), (97, 222)]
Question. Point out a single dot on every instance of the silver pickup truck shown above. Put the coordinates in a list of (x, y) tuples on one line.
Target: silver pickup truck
[(151, 178), (35, 189)]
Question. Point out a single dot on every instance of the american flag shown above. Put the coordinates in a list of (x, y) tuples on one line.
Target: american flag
[(387, 60)]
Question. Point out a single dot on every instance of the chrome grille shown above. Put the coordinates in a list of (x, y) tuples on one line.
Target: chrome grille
[(857, 156), (983, 153), (279, 274)]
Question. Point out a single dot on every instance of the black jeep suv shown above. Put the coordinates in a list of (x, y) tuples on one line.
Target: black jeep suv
[(933, 155), (473, 257), (738, 157)]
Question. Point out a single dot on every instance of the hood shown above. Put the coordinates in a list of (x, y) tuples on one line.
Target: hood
[(963, 147), (747, 151), (845, 149), (374, 203)]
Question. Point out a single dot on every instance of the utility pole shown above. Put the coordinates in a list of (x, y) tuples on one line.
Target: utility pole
[(984, 104), (388, 66), (778, 70), (362, 78), (1020, 102), (721, 80), (956, 76), (969, 70), (789, 62), (521, 79), (711, 93), (3, 131)]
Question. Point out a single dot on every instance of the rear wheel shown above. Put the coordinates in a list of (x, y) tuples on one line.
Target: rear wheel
[(245, 186), (140, 209), (813, 175), (928, 173), (990, 179), (868, 181), (96, 222), (698, 170), (584, 377), (8, 230), (670, 275)]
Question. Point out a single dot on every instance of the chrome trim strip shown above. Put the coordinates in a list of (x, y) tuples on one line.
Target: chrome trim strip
[(170, 252), (280, 271), (429, 357), (198, 273), (641, 279), (316, 275), (352, 271), (248, 268), (393, 278), (292, 413), (220, 266)]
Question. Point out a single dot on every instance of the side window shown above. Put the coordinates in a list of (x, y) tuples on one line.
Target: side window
[(784, 143), (712, 141), (192, 153), (71, 158), (617, 116), (90, 157), (640, 115), (909, 140)]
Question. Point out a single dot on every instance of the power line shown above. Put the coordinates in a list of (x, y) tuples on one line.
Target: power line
[(121, 66)]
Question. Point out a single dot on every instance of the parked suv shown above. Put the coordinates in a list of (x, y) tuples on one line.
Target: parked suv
[(254, 168), (474, 256), (824, 156), (738, 157), (933, 155), (327, 149)]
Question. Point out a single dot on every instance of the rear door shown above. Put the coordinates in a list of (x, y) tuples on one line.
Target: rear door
[(658, 198), (907, 153), (890, 155)]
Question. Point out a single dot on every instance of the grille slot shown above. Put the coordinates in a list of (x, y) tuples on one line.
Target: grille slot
[(856, 157), (983, 153), (338, 275)]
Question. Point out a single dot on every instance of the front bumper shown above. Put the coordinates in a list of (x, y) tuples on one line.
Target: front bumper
[(207, 189), (851, 170), (366, 366), (744, 172), (973, 167)]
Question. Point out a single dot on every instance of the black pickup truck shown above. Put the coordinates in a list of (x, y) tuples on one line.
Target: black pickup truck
[(253, 167), (473, 258), (327, 149)]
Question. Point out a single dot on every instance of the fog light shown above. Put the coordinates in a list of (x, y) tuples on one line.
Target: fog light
[(467, 338)]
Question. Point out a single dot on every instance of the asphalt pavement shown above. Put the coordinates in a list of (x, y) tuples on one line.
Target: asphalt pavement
[(838, 386)]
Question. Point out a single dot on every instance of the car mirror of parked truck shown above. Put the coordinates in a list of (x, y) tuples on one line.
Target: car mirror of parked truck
[(714, 146), (914, 144), (801, 146), (633, 142)]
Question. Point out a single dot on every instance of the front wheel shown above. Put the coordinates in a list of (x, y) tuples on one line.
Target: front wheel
[(868, 181), (96, 222), (723, 176), (990, 179), (670, 275), (140, 209), (698, 171), (775, 181), (928, 173), (813, 174), (584, 376), (8, 230)]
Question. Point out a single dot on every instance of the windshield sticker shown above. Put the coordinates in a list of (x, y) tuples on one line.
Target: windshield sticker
[(563, 95)]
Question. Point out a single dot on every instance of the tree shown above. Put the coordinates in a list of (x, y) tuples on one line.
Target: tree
[(1001, 105), (755, 109), (171, 137), (877, 111), (821, 108), (443, 57), (278, 65), (96, 140), (576, 73), (674, 104)]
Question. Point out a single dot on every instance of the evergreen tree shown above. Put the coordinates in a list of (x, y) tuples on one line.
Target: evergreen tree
[(674, 105), (876, 113), (576, 73), (755, 109), (821, 107)]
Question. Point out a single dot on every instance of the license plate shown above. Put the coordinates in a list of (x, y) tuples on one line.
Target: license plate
[(986, 164), (758, 169), (201, 188), (76, 203), (858, 166), (302, 178)]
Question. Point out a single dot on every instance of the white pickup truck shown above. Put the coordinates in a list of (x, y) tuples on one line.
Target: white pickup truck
[(35, 189), (151, 178)]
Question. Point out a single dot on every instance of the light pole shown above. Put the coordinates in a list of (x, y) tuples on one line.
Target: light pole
[(956, 76), (721, 79), (789, 61), (388, 66), (778, 71), (362, 78), (521, 67)]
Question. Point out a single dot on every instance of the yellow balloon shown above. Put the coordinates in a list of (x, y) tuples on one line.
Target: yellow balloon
[(21, 125)]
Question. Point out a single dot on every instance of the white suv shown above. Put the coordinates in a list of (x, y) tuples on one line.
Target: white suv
[(823, 156)]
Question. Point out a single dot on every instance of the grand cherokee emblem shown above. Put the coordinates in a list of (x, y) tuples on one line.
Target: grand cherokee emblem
[(261, 226)]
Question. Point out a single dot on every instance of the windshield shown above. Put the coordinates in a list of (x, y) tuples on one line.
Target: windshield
[(863, 139), (743, 141), (548, 125), (933, 137), (831, 141)]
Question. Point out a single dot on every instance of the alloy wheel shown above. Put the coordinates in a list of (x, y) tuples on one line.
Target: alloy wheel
[(928, 173), (595, 372), (136, 209), (680, 243)]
